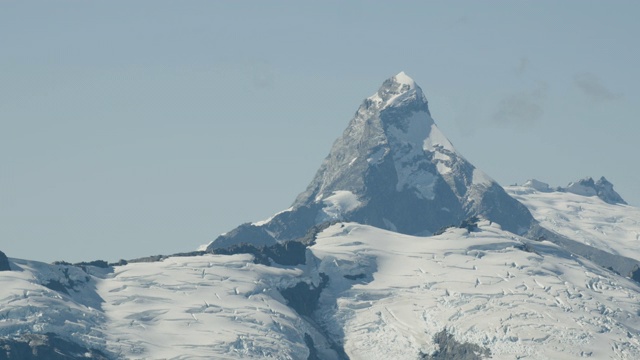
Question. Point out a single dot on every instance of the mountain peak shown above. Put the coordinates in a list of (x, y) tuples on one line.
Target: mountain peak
[(392, 168), (404, 79), (396, 91)]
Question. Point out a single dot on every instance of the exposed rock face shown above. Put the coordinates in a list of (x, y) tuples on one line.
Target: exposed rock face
[(451, 349), (601, 188), (45, 347), (4, 262), (391, 168)]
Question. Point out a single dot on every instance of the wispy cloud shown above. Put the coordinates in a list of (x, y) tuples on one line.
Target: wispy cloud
[(521, 108), (592, 86)]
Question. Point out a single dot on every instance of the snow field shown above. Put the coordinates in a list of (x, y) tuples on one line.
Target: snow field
[(481, 286), (26, 306), (588, 219), (202, 307), (387, 295)]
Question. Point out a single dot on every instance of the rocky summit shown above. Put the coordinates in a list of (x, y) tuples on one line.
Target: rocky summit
[(394, 169)]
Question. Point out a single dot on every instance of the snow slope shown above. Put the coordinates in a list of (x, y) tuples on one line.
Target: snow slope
[(516, 297), (386, 296), (212, 306), (29, 303), (204, 307), (614, 228)]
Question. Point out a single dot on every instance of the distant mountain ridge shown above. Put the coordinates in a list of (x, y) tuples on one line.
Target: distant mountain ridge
[(394, 169), (585, 187)]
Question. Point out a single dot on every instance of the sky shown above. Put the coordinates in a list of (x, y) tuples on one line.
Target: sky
[(135, 128)]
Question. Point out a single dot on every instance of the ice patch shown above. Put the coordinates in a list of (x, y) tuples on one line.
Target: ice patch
[(443, 169), (204, 247), (404, 79), (480, 178), (436, 140), (340, 203), (377, 156)]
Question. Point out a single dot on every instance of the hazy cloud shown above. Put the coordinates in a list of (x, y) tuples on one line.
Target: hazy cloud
[(592, 86), (522, 66), (521, 108)]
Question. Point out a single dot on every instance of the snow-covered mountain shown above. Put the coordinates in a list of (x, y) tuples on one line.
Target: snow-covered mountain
[(399, 248), (362, 293), (394, 169)]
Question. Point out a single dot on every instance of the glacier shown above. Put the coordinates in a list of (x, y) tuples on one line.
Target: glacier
[(385, 296)]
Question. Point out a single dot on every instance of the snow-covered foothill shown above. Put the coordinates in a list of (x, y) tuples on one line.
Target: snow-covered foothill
[(39, 298)]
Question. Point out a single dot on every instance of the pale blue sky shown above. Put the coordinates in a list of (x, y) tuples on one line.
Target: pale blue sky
[(149, 127)]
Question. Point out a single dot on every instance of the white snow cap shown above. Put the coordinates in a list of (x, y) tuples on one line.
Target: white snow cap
[(396, 91), (403, 78)]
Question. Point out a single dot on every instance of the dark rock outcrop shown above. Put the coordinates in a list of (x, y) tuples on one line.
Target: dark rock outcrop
[(451, 349), (4, 262), (45, 347)]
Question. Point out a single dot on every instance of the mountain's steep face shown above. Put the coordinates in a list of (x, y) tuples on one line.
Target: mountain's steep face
[(391, 168)]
